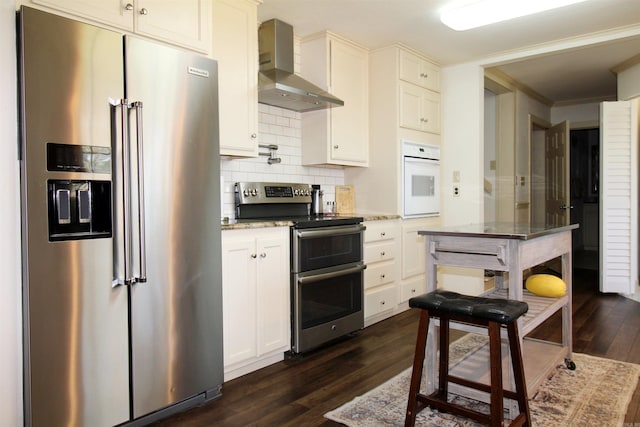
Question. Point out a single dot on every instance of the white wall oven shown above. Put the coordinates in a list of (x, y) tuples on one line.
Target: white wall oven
[(420, 179)]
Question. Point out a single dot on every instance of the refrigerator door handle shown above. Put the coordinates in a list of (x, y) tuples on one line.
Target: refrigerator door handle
[(142, 250), (122, 241)]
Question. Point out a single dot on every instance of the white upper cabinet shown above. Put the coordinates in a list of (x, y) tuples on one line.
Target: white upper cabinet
[(235, 46), (419, 108), (185, 23), (339, 135), (418, 71)]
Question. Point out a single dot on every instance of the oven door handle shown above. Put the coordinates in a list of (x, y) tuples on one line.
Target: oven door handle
[(332, 274), (330, 231)]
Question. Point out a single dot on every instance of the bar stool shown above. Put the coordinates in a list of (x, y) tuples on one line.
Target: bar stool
[(487, 312)]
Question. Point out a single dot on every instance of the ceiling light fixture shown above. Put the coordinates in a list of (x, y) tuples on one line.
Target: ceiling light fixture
[(467, 15)]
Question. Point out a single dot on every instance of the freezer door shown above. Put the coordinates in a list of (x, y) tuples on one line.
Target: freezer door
[(177, 313), (75, 334)]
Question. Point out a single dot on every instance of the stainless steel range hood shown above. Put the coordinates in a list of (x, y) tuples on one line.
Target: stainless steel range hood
[(277, 83)]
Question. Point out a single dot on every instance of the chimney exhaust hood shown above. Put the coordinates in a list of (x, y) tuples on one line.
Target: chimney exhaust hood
[(277, 83)]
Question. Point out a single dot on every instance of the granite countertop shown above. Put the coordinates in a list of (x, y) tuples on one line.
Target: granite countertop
[(505, 230), (234, 224)]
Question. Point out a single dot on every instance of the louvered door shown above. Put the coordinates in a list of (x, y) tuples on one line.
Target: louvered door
[(619, 196)]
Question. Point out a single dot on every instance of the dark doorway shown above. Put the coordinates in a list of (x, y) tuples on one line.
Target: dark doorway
[(585, 186)]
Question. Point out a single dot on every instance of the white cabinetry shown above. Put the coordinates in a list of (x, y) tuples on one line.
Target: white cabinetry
[(419, 108), (381, 253), (235, 46), (339, 135), (413, 281), (185, 23), (255, 289), (404, 103)]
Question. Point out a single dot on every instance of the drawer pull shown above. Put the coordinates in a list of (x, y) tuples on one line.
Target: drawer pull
[(382, 253), (383, 234), (382, 276), (382, 302)]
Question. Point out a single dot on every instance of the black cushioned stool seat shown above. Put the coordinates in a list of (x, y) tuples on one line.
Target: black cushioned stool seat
[(487, 312)]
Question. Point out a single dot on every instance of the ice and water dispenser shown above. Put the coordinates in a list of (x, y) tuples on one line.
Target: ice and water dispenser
[(79, 208)]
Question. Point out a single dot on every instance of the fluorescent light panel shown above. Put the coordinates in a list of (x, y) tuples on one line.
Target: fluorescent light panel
[(478, 13)]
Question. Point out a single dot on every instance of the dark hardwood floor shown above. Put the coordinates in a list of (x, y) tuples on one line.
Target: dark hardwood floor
[(297, 392)]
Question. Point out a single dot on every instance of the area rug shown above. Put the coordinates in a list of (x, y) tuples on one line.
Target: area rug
[(597, 393)]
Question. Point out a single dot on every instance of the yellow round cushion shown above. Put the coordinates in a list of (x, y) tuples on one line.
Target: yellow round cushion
[(546, 285)]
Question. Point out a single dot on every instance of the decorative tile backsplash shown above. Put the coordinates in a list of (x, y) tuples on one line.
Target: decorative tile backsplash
[(284, 129)]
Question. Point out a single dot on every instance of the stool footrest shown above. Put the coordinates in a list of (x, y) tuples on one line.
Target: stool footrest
[(436, 401)]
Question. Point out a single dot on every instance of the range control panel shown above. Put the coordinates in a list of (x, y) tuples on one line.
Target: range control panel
[(271, 192)]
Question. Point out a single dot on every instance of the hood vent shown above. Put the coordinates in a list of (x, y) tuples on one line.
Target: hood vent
[(277, 83)]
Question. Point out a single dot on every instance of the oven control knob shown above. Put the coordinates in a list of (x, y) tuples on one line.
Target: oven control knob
[(254, 192), (245, 193)]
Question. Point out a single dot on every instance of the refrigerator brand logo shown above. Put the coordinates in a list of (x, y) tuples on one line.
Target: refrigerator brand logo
[(198, 72)]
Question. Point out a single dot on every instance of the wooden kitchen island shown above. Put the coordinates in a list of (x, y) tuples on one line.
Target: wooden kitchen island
[(508, 249)]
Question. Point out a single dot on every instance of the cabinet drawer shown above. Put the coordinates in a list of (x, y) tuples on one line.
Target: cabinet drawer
[(374, 252), (379, 274), (377, 231), (414, 287), (379, 300)]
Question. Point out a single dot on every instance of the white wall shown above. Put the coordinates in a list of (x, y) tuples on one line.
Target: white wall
[(283, 128), (10, 285), (463, 151), (490, 153), (579, 115), (629, 83)]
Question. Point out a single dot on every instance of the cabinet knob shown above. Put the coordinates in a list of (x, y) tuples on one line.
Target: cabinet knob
[(144, 11), (382, 302), (263, 255), (254, 135), (382, 253), (425, 75), (383, 234), (335, 147), (254, 256), (413, 291), (382, 276), (422, 119), (128, 6)]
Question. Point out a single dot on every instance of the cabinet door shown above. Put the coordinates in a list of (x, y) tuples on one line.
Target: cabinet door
[(182, 22), (419, 108), (411, 106), (416, 70), (239, 298), (413, 252), (349, 124), (111, 12), (273, 294), (235, 46), (431, 112)]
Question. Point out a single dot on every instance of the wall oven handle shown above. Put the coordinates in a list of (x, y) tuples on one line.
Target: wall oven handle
[(330, 231), (332, 274)]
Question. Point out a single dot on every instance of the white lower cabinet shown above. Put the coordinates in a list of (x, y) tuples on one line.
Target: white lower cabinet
[(413, 281), (381, 255), (255, 289)]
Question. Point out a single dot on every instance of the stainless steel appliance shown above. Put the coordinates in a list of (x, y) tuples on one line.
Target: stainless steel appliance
[(421, 179), (327, 287), (278, 85), (121, 232)]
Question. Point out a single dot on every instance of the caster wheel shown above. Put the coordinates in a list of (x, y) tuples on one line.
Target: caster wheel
[(570, 364)]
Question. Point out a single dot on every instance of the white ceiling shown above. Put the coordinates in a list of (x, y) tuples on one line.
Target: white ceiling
[(610, 27)]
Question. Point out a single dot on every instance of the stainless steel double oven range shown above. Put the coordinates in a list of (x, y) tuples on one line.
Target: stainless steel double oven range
[(327, 287)]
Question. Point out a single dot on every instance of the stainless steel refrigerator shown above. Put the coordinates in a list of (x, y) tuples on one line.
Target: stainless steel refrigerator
[(121, 229)]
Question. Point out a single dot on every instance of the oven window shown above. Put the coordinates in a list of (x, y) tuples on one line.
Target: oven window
[(330, 299), (422, 185), (328, 251)]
